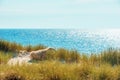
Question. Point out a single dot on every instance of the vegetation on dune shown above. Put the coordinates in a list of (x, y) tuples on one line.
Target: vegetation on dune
[(53, 70), (14, 47), (61, 64), (111, 56)]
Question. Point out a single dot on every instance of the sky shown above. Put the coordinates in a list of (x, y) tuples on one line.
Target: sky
[(83, 14)]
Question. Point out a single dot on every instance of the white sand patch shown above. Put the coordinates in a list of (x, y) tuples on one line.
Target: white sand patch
[(24, 57), (19, 60)]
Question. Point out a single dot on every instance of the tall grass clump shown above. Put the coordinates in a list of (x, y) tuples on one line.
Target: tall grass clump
[(11, 75), (4, 57), (63, 55), (104, 72), (9, 46), (84, 72), (15, 47), (36, 47), (94, 59), (111, 56), (67, 56)]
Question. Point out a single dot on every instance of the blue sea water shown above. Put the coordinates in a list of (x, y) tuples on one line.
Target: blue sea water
[(81, 40)]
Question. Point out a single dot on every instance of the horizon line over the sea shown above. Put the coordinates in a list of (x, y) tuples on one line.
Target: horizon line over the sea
[(81, 29)]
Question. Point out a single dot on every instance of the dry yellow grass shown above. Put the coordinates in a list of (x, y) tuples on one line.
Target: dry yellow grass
[(63, 65)]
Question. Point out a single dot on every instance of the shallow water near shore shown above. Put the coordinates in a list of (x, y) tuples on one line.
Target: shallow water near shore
[(84, 41)]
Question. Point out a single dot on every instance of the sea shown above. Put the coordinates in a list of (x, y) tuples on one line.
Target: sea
[(84, 41)]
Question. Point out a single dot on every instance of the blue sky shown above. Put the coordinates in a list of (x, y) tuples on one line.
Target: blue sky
[(83, 14)]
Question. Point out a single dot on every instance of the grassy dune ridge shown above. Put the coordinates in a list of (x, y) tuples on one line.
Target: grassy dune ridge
[(60, 65)]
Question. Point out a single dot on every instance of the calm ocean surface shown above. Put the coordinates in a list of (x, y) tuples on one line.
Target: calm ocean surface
[(83, 41)]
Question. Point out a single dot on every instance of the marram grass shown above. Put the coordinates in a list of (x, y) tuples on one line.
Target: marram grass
[(60, 65), (53, 70)]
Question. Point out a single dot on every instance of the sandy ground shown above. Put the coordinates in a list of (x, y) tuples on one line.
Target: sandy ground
[(19, 60)]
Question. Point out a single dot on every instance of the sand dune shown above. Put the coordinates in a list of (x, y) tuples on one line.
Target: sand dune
[(19, 60)]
